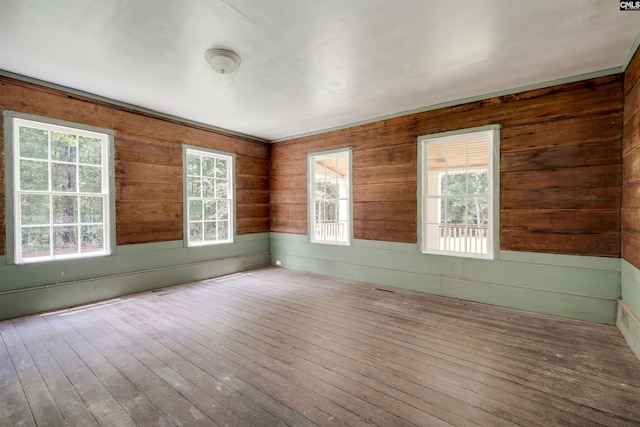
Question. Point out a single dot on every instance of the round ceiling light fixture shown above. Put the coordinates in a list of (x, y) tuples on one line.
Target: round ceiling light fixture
[(223, 61)]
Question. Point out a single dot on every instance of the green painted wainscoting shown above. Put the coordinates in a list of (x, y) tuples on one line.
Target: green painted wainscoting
[(585, 288), (629, 308), (35, 288)]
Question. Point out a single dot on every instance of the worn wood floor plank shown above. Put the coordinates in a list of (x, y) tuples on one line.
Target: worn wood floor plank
[(538, 331), (247, 376), (276, 347), (573, 383), (434, 390), (194, 383), (139, 408), (269, 355), (14, 408), (41, 404), (73, 408), (177, 409), (375, 356), (329, 358)]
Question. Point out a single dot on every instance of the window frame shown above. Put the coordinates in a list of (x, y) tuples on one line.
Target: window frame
[(493, 237), (12, 120), (311, 157), (231, 172)]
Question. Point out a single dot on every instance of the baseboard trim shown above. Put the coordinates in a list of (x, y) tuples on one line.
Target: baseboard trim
[(41, 299), (582, 288), (629, 325)]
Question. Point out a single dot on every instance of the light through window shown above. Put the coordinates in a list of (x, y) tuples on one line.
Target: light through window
[(61, 184), (330, 197), (457, 194), (209, 178)]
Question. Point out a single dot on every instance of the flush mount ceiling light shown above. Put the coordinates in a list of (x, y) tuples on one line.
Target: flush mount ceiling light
[(223, 61)]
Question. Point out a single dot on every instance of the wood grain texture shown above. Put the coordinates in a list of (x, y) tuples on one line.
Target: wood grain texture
[(148, 161), (632, 103), (276, 347), (632, 73), (560, 150), (630, 247), (562, 198), (631, 164)]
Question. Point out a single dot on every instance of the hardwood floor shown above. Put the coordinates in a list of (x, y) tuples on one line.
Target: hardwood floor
[(281, 347)]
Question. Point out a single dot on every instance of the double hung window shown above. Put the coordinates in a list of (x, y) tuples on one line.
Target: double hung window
[(61, 193), (458, 201), (209, 197), (330, 197)]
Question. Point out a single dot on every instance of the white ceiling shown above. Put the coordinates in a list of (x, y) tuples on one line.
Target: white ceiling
[(309, 65)]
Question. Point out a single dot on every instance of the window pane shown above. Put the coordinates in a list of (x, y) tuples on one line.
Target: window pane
[(65, 240), (208, 187), (195, 210), (330, 211), (63, 147), (92, 238), (222, 189), (210, 233), (194, 187), (479, 182), (195, 232), (319, 187), (223, 230), (63, 177), (35, 242), (455, 210), (34, 176), (90, 179), (455, 183), (210, 210), (208, 166), (221, 168), (65, 209), (223, 209), (92, 209), (34, 209), (436, 156), (90, 150), (319, 208), (34, 143), (332, 190), (193, 165), (478, 211)]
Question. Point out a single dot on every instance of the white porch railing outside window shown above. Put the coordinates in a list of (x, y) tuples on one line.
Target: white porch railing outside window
[(332, 231), (463, 238)]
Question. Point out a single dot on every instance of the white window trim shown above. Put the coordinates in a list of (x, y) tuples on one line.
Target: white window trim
[(231, 158), (12, 120), (311, 157), (493, 240)]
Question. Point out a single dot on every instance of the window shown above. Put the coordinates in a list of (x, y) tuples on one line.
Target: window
[(330, 197), (61, 192), (210, 193), (458, 204)]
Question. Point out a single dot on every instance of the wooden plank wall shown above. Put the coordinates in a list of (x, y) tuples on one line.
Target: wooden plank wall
[(148, 162), (561, 169), (631, 164)]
